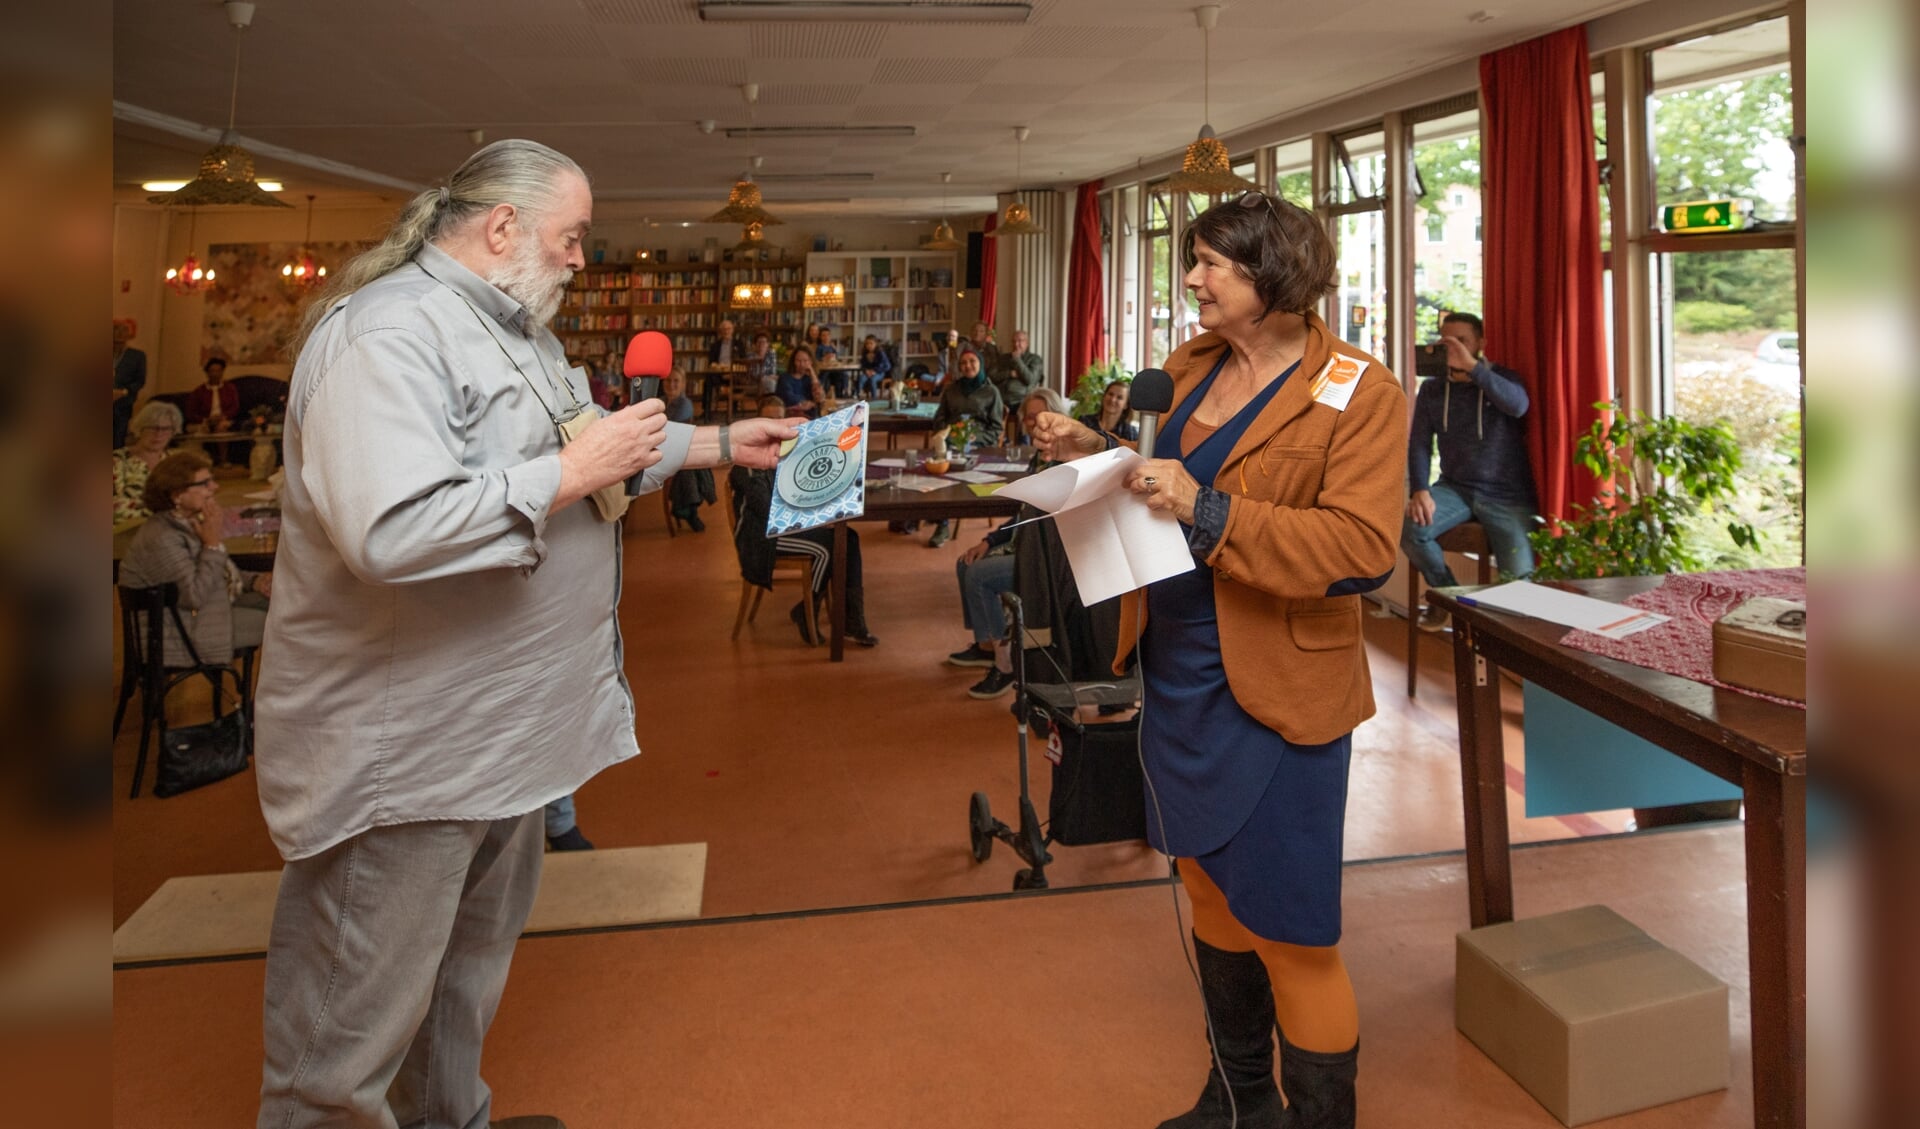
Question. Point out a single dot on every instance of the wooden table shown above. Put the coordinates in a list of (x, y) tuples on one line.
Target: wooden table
[(891, 423), (890, 503), (1756, 744)]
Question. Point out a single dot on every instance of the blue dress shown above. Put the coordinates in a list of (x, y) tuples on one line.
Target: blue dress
[(1262, 816)]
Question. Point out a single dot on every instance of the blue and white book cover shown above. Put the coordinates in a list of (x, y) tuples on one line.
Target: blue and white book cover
[(821, 478)]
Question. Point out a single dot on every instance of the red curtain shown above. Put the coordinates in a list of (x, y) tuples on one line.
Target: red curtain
[(1086, 302), (989, 271), (1544, 313)]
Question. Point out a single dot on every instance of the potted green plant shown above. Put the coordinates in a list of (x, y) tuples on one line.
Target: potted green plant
[(1656, 476), (1093, 384)]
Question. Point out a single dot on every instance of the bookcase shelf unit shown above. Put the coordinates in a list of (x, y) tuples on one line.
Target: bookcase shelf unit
[(903, 297)]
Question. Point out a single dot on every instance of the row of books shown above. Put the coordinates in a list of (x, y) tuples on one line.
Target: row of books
[(594, 299), (589, 323), (673, 278), (599, 280), (930, 311), (673, 297), (701, 320)]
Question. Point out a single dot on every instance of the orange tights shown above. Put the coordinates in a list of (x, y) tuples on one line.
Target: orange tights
[(1312, 995)]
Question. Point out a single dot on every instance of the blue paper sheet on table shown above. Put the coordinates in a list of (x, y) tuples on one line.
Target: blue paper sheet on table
[(821, 476)]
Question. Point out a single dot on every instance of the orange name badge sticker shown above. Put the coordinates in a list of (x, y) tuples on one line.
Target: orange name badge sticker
[(1335, 383), (849, 439)]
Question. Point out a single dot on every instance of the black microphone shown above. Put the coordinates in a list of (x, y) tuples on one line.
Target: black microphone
[(1151, 394), (649, 357)]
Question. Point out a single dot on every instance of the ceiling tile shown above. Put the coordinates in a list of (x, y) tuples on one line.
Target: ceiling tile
[(816, 41), (648, 12)]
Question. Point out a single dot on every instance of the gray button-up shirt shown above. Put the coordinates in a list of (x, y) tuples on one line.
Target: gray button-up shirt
[(440, 645)]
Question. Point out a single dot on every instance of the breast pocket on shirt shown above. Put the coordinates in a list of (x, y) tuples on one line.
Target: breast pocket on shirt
[(1287, 474)]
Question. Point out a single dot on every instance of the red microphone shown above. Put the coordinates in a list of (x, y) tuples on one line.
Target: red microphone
[(649, 356)]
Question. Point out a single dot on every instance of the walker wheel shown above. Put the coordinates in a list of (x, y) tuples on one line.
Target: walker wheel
[(1025, 879), (980, 826)]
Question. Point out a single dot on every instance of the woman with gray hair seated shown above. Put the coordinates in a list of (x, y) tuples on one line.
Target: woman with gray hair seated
[(152, 429), (224, 606)]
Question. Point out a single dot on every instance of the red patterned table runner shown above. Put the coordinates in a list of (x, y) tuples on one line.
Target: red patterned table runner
[(1683, 645)]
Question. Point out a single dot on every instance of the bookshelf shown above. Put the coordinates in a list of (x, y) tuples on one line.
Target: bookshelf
[(903, 297), (607, 303)]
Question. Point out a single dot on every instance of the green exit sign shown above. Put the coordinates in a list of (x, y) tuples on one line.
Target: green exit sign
[(1706, 216)]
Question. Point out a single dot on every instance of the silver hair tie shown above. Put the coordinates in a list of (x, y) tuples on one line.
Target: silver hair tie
[(446, 196)]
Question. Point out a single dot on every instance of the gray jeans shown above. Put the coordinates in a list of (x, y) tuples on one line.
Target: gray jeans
[(388, 956)]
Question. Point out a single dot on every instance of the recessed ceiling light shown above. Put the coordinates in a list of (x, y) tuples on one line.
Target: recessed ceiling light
[(177, 185), (1484, 15), (867, 11)]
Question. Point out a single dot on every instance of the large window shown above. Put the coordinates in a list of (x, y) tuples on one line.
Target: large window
[(1725, 317), (1160, 267), (1447, 262), (1126, 265), (1359, 177), (1293, 171)]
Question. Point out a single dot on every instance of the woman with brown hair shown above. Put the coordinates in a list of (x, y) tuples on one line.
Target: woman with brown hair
[(224, 606), (1282, 459)]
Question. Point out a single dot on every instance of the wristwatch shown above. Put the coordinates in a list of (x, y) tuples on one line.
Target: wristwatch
[(726, 446)]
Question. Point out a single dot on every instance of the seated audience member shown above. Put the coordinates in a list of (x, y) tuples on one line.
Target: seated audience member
[(753, 499), (1017, 371), (762, 364), (224, 607), (215, 406), (986, 569), (151, 429), (982, 342), (875, 367), (968, 396), (1113, 416), (827, 352), (603, 386), (800, 388), (1484, 473), (688, 490), (724, 351), (946, 361)]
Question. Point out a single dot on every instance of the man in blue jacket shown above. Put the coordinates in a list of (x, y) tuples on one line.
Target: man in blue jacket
[(1478, 415)]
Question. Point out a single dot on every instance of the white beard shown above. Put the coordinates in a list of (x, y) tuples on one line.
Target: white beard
[(531, 283)]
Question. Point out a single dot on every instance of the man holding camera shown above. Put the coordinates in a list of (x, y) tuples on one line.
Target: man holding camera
[(1477, 412)]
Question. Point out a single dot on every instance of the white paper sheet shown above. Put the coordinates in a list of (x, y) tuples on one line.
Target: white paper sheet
[(918, 482), (1570, 609), (972, 476), (1114, 543), (1002, 468), (899, 463)]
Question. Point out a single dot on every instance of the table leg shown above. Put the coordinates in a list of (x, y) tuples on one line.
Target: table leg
[(838, 583), (1483, 780), (1776, 831)]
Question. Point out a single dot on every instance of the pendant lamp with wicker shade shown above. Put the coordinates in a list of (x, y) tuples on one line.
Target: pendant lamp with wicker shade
[(943, 237), (743, 201), (1017, 219), (1206, 168), (226, 171)]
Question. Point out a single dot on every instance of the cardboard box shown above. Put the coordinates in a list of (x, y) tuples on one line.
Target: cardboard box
[(1762, 645), (1592, 1016)]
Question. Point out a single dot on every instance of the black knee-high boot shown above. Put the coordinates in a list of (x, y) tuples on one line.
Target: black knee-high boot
[(1319, 1087), (1239, 1001)]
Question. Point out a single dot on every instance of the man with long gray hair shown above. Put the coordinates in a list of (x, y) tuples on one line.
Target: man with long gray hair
[(443, 656)]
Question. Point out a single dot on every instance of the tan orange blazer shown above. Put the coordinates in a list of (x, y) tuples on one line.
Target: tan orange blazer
[(1317, 496)]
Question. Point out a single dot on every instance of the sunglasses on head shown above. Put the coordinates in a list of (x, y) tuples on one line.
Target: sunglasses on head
[(1255, 198)]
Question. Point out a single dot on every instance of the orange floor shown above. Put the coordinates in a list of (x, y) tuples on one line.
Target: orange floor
[(1065, 1010), (821, 786)]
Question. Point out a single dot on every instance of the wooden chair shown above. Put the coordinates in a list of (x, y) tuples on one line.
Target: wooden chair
[(1468, 539), (788, 566), (144, 613), (785, 567)]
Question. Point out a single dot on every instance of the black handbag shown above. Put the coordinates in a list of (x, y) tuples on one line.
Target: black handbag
[(193, 756)]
